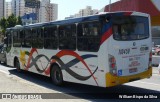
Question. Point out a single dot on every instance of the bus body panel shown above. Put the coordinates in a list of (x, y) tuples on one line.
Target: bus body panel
[(131, 58)]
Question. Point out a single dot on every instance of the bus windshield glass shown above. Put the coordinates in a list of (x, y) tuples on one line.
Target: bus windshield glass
[(126, 28)]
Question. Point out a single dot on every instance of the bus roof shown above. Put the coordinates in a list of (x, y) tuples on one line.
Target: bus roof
[(36, 25), (72, 20)]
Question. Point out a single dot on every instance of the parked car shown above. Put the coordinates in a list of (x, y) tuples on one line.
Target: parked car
[(153, 51), (157, 49)]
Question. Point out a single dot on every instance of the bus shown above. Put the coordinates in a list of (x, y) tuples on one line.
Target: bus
[(104, 50)]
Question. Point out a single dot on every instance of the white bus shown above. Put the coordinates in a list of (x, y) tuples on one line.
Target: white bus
[(102, 50)]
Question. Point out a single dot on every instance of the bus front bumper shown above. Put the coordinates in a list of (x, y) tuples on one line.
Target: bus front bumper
[(117, 80)]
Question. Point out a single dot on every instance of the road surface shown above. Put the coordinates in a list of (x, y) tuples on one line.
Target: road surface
[(25, 82)]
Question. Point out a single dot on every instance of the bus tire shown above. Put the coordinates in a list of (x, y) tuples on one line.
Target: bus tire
[(17, 65), (56, 75)]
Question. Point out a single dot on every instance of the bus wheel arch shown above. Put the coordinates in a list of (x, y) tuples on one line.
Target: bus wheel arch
[(56, 74), (17, 64)]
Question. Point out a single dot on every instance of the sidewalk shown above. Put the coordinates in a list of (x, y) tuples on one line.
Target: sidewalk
[(12, 84), (155, 70)]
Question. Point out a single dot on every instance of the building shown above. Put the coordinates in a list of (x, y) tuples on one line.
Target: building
[(2, 7), (29, 18), (53, 12), (2, 13), (151, 7), (8, 9), (48, 11), (19, 9), (84, 12)]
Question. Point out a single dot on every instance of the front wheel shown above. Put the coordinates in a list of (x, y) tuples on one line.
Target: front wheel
[(17, 65), (56, 75)]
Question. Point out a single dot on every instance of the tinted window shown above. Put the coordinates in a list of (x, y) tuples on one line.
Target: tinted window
[(37, 38), (16, 39), (50, 38), (130, 28), (88, 36), (67, 37), (27, 39)]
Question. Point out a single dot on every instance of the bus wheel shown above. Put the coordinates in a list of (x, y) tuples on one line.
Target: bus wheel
[(56, 75), (17, 65)]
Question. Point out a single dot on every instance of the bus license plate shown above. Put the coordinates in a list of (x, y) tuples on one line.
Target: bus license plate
[(132, 70)]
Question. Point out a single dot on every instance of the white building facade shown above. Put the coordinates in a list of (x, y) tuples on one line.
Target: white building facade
[(84, 12), (2, 7), (8, 9), (48, 11), (19, 9)]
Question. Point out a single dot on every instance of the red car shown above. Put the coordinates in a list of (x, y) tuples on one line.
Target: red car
[(157, 49)]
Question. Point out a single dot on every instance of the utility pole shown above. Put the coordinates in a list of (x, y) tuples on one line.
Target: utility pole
[(109, 5)]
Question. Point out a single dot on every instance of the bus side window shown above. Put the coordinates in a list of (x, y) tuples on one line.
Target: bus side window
[(67, 37), (37, 38), (50, 37), (27, 41), (88, 36), (16, 38)]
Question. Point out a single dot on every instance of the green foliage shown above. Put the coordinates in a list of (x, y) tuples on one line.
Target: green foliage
[(12, 20), (3, 24), (19, 20)]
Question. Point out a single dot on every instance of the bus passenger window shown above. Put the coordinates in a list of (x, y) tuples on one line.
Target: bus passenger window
[(88, 36), (27, 41), (37, 37), (50, 37), (16, 39), (67, 37)]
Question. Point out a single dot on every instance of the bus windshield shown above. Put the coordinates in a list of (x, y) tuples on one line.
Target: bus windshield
[(128, 28)]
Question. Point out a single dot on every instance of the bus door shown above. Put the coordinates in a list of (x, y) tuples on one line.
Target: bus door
[(8, 48)]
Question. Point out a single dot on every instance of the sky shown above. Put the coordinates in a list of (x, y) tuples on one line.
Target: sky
[(71, 7)]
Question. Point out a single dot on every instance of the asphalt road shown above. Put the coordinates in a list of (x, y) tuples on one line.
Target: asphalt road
[(26, 82)]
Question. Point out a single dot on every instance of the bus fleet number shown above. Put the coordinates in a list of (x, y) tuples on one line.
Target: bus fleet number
[(124, 51)]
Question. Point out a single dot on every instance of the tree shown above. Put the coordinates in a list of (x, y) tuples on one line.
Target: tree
[(3, 24), (19, 20), (12, 21)]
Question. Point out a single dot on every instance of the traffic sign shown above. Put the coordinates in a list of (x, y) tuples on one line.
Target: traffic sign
[(32, 3)]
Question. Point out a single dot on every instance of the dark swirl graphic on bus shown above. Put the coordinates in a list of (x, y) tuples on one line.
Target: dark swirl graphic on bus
[(57, 58)]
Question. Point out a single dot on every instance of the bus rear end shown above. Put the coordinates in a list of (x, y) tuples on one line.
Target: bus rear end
[(129, 48)]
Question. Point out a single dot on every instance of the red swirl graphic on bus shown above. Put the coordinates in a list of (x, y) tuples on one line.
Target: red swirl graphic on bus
[(57, 59)]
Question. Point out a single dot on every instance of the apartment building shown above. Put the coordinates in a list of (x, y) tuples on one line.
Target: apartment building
[(48, 11), (8, 9), (2, 6), (84, 12)]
